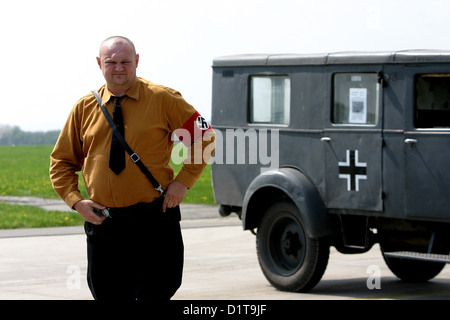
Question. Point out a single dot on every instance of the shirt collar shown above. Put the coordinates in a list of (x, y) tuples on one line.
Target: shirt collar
[(133, 92)]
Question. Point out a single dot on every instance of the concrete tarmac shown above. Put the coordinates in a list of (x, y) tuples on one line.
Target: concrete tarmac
[(50, 263), (220, 264)]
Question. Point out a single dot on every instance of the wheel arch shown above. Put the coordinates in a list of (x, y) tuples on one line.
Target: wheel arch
[(286, 183)]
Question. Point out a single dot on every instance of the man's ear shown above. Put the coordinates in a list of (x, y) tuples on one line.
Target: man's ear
[(137, 60), (99, 63)]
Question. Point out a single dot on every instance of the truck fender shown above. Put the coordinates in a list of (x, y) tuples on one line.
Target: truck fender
[(293, 184)]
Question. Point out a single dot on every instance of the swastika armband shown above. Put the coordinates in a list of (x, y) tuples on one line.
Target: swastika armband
[(195, 127)]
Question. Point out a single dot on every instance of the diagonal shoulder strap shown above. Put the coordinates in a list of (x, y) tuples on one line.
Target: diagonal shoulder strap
[(133, 155)]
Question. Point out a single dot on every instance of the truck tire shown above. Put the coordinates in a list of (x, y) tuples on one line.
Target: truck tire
[(289, 259)]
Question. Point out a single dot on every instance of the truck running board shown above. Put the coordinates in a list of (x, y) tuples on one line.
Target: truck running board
[(432, 257)]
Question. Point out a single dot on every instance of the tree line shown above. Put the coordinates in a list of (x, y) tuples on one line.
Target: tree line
[(13, 135)]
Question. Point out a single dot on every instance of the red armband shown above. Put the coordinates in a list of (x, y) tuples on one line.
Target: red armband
[(192, 129)]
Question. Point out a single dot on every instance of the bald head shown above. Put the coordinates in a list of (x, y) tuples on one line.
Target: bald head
[(118, 61), (117, 40)]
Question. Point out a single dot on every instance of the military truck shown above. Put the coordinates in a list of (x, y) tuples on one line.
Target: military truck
[(342, 149)]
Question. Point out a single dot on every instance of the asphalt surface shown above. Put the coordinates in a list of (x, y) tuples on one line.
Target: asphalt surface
[(50, 263), (220, 264)]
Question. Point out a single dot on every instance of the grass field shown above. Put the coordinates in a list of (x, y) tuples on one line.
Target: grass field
[(24, 172), (17, 216)]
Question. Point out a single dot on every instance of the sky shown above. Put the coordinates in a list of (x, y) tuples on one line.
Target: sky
[(49, 47)]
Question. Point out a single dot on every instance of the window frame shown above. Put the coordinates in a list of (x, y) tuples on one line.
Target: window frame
[(377, 100), (422, 123), (286, 104)]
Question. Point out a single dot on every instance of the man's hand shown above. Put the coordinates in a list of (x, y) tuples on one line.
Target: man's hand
[(175, 193), (86, 209)]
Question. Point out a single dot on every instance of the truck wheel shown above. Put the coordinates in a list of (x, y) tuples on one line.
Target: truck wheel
[(410, 270), (289, 259)]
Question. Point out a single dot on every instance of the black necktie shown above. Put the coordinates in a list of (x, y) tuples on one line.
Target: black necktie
[(117, 152)]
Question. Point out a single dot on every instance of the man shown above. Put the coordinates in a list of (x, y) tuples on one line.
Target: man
[(137, 252)]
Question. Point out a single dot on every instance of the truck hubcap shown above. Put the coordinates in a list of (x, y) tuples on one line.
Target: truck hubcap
[(287, 245), (291, 244)]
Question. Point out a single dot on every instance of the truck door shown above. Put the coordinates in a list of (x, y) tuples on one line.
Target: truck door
[(427, 146), (353, 142)]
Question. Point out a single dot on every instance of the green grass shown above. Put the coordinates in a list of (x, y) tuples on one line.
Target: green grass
[(18, 216), (202, 192), (24, 172)]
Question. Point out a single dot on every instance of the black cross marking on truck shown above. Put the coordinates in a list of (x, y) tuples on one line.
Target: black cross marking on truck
[(352, 170)]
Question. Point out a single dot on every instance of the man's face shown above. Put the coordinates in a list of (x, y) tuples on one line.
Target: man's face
[(118, 63)]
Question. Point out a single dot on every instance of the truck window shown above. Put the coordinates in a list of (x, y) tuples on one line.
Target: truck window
[(355, 98), (432, 101), (270, 99)]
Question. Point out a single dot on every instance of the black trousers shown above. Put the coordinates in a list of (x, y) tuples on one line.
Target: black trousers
[(137, 254)]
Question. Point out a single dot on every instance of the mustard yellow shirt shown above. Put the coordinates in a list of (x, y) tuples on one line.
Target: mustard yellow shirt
[(151, 114)]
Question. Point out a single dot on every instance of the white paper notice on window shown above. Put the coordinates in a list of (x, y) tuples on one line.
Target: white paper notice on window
[(358, 105)]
